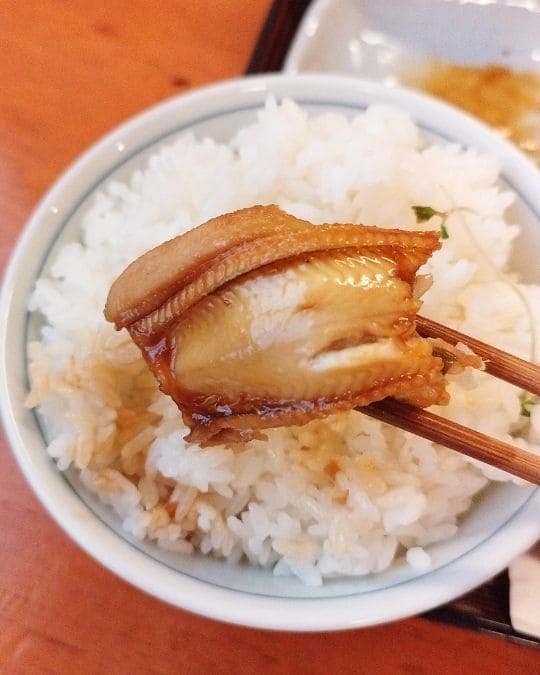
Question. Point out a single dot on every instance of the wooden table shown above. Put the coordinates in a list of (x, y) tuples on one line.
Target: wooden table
[(70, 71)]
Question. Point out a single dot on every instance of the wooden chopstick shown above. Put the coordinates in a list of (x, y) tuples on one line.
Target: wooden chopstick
[(456, 437), (498, 363), (453, 435)]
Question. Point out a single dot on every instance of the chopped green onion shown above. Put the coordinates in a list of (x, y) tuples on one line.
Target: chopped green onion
[(424, 213), (527, 401)]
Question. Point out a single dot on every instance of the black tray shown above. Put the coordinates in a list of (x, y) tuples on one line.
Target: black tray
[(486, 608)]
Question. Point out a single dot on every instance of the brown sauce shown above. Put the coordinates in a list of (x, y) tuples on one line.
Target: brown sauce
[(158, 351), (499, 96)]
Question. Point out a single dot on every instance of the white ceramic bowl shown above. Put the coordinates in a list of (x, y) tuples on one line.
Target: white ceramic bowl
[(506, 519), (375, 39)]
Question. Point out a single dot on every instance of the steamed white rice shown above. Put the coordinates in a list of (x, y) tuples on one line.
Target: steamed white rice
[(342, 496)]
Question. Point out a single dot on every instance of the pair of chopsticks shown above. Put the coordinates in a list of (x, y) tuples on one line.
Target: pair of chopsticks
[(455, 436)]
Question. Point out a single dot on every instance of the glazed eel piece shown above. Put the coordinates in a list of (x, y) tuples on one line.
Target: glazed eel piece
[(257, 319)]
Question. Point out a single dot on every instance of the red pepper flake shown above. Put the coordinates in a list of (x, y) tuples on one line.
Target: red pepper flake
[(332, 467), (342, 497)]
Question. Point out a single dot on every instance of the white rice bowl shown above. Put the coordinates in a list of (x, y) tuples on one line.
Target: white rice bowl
[(347, 526), (341, 496)]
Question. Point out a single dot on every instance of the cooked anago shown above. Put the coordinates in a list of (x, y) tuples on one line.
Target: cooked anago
[(257, 319)]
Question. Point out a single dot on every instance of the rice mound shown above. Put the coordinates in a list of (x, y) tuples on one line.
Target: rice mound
[(341, 496)]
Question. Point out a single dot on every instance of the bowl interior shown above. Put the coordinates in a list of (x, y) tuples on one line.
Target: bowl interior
[(377, 40)]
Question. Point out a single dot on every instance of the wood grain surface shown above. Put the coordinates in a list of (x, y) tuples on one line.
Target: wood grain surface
[(70, 71)]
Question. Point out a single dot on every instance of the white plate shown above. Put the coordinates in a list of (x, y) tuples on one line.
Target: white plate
[(375, 38), (506, 519)]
